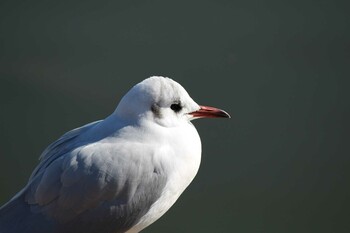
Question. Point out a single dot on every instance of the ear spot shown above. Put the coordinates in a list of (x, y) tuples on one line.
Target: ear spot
[(156, 110)]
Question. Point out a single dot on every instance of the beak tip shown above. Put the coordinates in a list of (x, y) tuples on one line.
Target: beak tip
[(224, 114), (228, 115)]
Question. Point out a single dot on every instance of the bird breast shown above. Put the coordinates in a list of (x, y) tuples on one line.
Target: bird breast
[(181, 160)]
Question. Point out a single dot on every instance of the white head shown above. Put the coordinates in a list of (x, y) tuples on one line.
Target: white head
[(164, 101)]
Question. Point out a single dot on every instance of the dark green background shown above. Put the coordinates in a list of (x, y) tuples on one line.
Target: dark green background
[(281, 68)]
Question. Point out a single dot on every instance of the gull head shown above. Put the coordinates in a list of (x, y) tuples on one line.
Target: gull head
[(163, 101)]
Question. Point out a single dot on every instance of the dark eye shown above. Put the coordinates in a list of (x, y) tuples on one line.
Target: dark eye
[(176, 107)]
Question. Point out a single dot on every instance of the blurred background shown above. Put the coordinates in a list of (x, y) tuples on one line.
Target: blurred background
[(280, 68)]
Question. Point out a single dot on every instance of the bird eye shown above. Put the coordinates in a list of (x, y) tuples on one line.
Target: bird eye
[(176, 107)]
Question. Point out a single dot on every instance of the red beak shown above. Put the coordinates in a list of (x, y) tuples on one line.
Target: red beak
[(209, 112)]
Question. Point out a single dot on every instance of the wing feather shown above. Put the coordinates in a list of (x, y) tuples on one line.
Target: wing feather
[(79, 181), (64, 144)]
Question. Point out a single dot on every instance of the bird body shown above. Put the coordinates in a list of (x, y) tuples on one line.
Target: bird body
[(116, 175)]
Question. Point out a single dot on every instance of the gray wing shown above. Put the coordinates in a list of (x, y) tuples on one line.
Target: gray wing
[(86, 187), (64, 144), (16, 215)]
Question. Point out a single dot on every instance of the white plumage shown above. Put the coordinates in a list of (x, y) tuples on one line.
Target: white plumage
[(116, 175)]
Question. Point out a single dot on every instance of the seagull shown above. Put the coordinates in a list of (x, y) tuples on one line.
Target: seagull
[(116, 175)]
